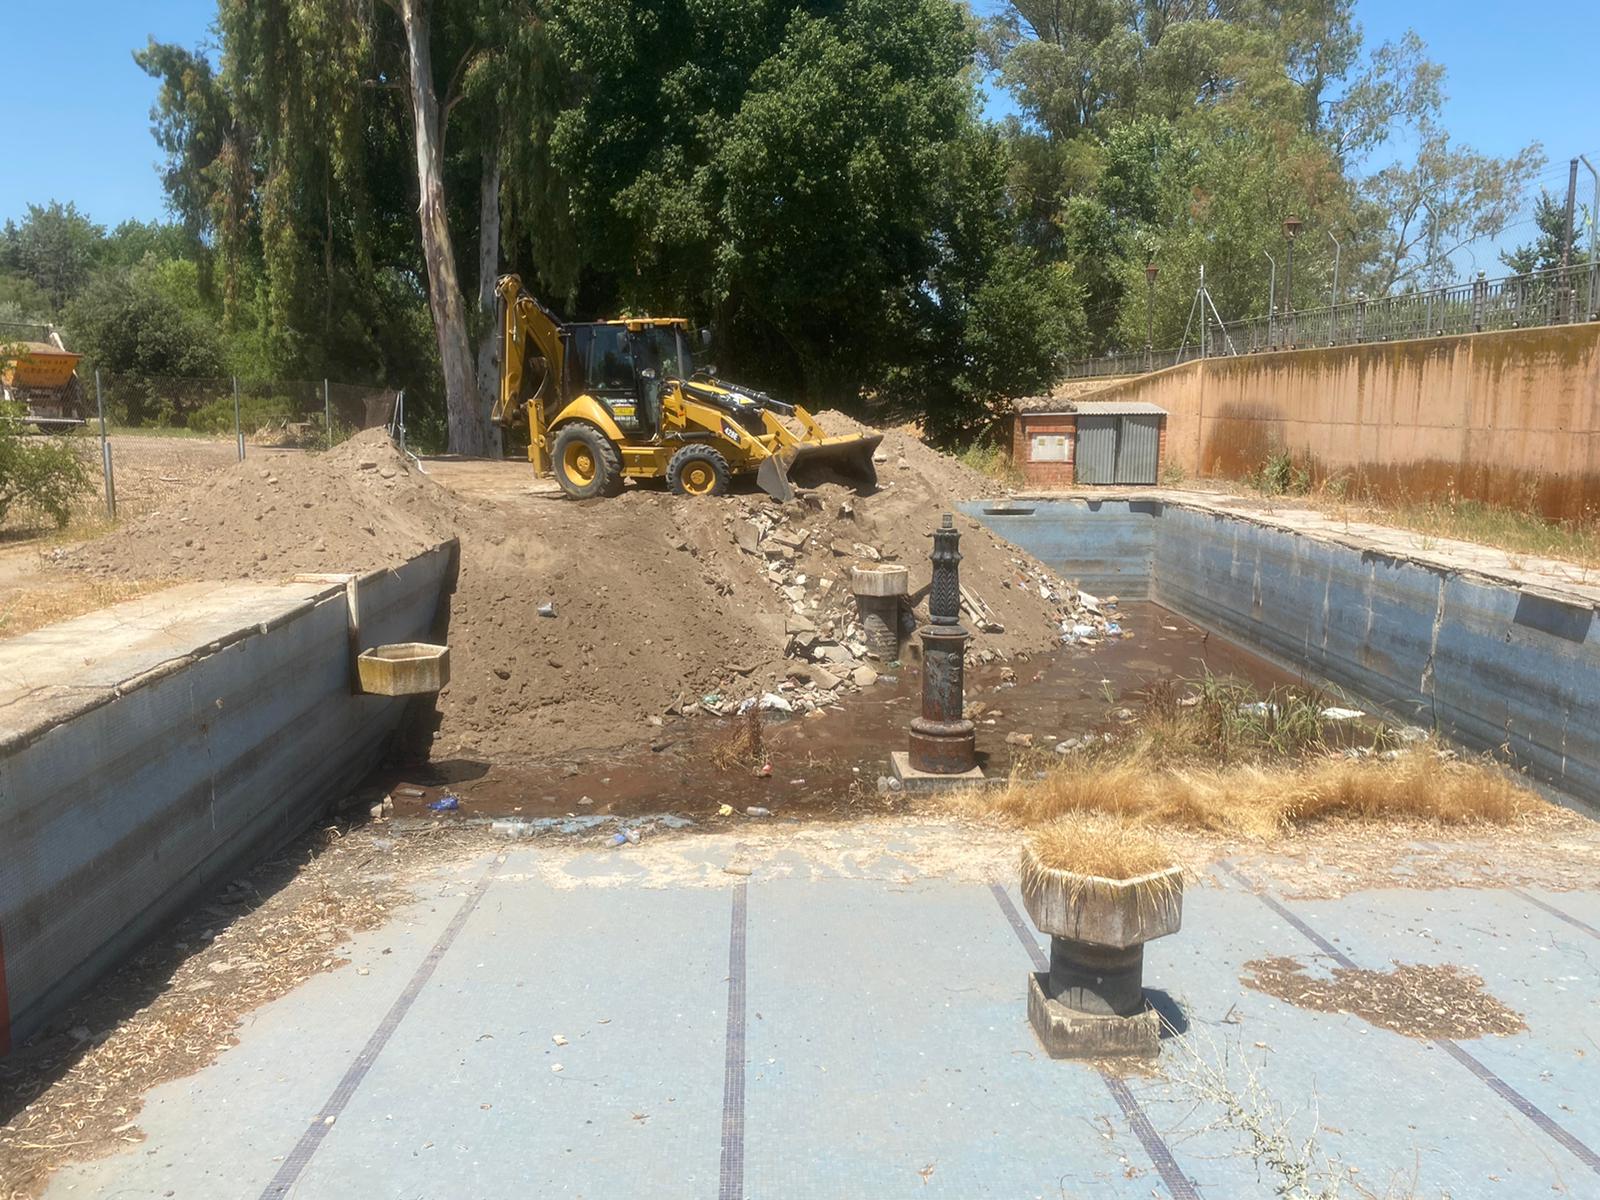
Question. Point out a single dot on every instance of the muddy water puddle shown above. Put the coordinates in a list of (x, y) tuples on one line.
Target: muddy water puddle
[(828, 762)]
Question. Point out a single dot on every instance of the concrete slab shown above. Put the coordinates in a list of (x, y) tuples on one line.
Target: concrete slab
[(870, 1007), (49, 674)]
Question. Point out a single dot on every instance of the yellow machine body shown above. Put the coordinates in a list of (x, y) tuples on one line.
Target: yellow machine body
[(655, 412)]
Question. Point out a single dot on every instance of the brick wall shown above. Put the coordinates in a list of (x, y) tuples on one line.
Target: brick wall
[(1044, 474), (1060, 474)]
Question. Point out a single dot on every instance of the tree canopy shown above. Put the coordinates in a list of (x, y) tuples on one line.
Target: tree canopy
[(815, 179)]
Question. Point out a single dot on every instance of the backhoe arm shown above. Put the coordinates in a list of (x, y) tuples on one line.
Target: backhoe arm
[(530, 331)]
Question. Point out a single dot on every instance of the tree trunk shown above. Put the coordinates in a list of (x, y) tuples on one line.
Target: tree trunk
[(488, 274), (464, 419)]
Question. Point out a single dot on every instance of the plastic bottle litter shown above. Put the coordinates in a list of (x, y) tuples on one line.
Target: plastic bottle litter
[(625, 837), (755, 810), (449, 802), (1113, 628)]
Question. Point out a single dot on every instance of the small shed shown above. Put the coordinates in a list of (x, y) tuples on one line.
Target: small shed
[(1060, 443)]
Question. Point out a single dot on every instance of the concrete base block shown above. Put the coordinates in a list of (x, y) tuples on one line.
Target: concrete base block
[(914, 780), (1068, 1034)]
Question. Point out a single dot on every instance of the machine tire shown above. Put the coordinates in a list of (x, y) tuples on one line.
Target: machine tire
[(586, 463), (699, 471)]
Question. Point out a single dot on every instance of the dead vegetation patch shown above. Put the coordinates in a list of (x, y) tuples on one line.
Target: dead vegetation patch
[(29, 606), (76, 1094), (1093, 844), (1412, 999), (1214, 756), (1260, 802), (741, 746)]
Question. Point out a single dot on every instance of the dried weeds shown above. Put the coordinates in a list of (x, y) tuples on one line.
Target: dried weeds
[(1095, 844), (742, 746), (1412, 999), (1264, 801)]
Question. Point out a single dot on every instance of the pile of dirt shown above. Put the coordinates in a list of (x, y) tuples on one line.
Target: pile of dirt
[(587, 625), (359, 507)]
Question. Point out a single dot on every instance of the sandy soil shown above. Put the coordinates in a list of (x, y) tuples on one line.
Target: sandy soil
[(656, 603)]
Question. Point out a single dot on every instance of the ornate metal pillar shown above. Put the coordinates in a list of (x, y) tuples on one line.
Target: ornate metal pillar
[(942, 741)]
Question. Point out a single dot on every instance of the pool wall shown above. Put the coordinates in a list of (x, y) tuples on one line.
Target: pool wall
[(1487, 663)]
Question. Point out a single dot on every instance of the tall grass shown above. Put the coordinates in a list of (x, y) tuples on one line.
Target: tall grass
[(1216, 756), (991, 459), (1264, 801)]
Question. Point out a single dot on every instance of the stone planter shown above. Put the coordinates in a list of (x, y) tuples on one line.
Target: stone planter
[(1090, 1004)]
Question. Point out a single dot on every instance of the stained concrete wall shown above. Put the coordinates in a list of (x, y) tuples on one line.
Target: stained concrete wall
[(1510, 417), (148, 751), (1487, 664)]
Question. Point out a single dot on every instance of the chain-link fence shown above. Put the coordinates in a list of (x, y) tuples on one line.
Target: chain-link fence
[(293, 414), (280, 412), (1559, 296)]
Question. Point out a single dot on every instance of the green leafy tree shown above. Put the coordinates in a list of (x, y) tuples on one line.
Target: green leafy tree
[(1546, 250), (55, 248)]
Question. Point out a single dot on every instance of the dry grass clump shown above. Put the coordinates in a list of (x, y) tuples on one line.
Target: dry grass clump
[(742, 746), (1095, 844), (1262, 800)]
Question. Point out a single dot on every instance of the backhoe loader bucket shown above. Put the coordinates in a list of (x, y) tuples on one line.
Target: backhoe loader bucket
[(848, 459)]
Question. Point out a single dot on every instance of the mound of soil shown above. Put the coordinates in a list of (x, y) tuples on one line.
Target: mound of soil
[(361, 506), (662, 606)]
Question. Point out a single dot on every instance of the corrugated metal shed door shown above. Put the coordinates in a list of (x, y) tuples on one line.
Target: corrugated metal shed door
[(1097, 449), (1138, 446)]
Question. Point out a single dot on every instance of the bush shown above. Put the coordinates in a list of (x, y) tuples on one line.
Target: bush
[(255, 412), (39, 475), (1280, 475)]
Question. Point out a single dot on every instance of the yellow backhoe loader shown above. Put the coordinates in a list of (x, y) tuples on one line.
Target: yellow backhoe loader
[(612, 400)]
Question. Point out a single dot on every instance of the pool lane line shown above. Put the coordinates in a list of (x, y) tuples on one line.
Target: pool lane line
[(1555, 912), (299, 1158), (1546, 1124), (730, 1184), (1154, 1145)]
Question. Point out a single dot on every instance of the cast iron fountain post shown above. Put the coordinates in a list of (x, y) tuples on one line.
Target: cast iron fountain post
[(942, 741)]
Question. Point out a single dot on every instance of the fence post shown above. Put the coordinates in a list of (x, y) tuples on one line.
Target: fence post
[(238, 430), (1361, 317), (105, 451), (1480, 297), (327, 411)]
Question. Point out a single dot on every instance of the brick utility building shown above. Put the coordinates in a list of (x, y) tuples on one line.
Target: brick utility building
[(1064, 443)]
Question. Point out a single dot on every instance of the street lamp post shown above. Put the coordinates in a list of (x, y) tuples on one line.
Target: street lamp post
[(1150, 272), (1333, 309), (1272, 300), (1291, 230)]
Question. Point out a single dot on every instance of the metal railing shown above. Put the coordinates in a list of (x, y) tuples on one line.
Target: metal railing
[(1558, 296)]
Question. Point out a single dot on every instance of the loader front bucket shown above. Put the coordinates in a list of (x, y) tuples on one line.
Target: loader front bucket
[(844, 459)]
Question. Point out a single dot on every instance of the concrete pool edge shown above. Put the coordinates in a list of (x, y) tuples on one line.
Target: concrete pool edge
[(151, 748), (1492, 661)]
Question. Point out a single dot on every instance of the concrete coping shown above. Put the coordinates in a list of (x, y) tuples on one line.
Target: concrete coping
[(883, 579)]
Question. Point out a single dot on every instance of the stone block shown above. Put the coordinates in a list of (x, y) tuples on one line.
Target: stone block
[(1067, 1034)]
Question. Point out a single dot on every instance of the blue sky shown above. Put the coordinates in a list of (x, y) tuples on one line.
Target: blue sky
[(77, 122)]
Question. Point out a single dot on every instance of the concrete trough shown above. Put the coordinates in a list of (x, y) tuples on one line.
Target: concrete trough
[(150, 750), (1486, 661)]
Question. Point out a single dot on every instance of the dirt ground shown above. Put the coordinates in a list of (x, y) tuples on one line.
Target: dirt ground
[(654, 607)]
